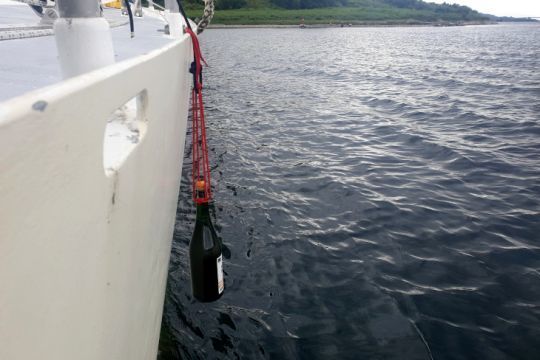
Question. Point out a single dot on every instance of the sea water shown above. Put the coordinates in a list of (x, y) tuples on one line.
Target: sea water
[(378, 195)]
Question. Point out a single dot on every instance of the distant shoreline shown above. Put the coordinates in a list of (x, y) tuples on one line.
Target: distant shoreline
[(366, 24), (365, 13)]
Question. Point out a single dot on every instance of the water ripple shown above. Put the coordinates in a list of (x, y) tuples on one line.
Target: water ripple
[(378, 194)]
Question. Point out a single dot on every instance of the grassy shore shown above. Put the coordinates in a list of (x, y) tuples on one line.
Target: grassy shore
[(337, 15)]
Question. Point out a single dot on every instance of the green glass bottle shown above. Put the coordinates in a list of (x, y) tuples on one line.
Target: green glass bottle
[(206, 259)]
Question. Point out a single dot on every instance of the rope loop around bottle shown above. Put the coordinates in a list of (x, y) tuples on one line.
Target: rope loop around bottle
[(201, 183)]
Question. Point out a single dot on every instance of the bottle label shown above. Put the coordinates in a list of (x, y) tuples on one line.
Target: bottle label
[(220, 283)]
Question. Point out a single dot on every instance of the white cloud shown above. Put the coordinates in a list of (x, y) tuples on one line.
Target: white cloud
[(518, 8)]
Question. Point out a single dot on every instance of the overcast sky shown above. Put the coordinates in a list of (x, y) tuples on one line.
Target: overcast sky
[(523, 8)]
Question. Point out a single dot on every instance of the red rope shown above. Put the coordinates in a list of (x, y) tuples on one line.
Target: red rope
[(201, 167)]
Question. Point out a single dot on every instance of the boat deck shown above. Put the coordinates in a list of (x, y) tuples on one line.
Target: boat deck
[(31, 63)]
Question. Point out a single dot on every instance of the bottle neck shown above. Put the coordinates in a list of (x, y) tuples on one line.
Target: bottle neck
[(203, 211)]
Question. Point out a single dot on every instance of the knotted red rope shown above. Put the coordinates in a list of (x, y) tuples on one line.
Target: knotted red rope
[(201, 167)]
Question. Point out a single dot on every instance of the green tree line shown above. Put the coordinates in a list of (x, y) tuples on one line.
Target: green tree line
[(444, 10)]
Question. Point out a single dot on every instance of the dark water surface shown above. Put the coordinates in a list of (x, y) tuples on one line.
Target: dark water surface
[(378, 194)]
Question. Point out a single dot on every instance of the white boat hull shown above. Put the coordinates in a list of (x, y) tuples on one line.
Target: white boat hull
[(84, 249)]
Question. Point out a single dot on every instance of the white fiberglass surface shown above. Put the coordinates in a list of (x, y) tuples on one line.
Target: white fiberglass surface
[(13, 12), (31, 63)]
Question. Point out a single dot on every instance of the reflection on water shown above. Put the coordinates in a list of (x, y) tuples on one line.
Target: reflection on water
[(378, 193)]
